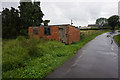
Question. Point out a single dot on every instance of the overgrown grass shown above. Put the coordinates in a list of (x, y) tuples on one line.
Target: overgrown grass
[(117, 39), (88, 33), (36, 58)]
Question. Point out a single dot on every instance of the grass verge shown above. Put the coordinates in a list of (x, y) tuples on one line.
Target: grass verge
[(117, 39), (36, 58)]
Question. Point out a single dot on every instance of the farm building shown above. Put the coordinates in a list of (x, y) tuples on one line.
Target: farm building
[(64, 33)]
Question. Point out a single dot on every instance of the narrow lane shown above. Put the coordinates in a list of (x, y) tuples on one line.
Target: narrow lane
[(97, 59)]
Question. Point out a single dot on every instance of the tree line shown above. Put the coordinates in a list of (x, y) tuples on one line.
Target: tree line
[(15, 22), (112, 22)]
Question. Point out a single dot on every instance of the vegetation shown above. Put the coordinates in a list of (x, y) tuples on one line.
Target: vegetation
[(102, 22), (86, 33), (36, 58), (16, 22), (117, 39), (113, 21), (96, 28), (10, 23), (30, 15)]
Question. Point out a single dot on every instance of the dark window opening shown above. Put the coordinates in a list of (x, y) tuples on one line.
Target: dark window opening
[(47, 31), (35, 31), (60, 28)]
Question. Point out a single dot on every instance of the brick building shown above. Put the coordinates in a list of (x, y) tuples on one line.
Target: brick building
[(64, 33)]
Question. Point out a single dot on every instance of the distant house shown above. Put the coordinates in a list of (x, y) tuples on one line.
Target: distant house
[(93, 25), (64, 33), (85, 27)]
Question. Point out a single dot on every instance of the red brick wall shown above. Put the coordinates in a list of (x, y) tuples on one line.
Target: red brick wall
[(30, 31), (54, 33), (41, 31), (73, 34)]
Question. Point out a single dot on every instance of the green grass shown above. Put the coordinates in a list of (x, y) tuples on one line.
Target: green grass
[(117, 39), (36, 58)]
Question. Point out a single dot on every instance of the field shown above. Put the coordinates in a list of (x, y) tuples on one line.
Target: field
[(117, 39), (36, 58)]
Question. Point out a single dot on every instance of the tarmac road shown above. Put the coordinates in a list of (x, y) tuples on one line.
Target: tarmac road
[(97, 59)]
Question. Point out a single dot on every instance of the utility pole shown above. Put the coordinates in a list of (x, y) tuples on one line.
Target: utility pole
[(71, 22)]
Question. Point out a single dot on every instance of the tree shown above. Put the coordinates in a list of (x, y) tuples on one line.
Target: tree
[(10, 23), (16, 22), (113, 21), (30, 15), (25, 15), (101, 22), (37, 14)]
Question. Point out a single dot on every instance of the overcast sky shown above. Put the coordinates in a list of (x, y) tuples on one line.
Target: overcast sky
[(81, 12)]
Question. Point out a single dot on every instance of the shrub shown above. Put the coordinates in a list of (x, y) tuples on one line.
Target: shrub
[(31, 46), (13, 56), (20, 38)]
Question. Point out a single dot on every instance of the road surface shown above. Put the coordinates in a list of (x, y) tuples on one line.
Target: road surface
[(97, 59)]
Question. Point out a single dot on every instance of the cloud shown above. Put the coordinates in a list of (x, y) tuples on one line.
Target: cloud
[(10, 4), (82, 13)]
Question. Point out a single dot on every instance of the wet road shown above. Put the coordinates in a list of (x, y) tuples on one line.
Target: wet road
[(97, 59)]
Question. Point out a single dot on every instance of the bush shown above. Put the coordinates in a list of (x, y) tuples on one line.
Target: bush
[(20, 38), (13, 56), (31, 46)]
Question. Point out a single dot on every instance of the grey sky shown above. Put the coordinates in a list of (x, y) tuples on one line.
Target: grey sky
[(82, 13)]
